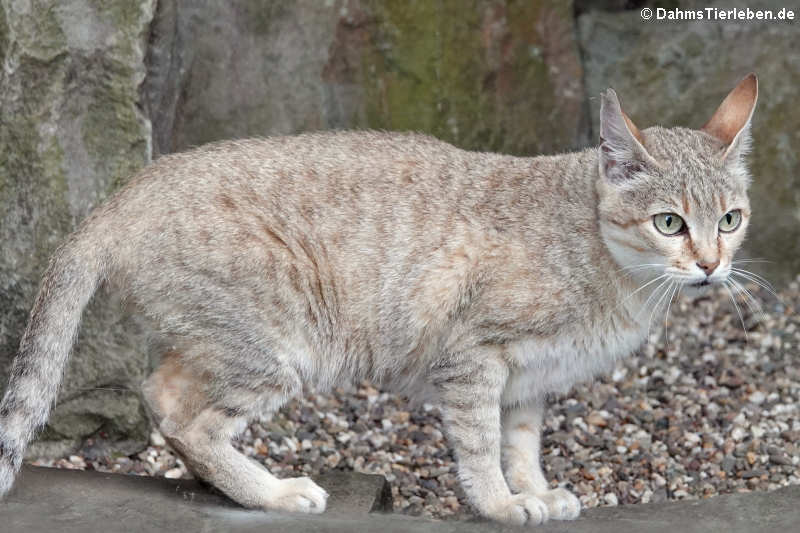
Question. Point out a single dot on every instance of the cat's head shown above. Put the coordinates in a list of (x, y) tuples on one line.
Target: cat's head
[(674, 200)]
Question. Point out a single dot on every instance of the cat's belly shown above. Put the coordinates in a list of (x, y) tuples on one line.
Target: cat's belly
[(553, 366)]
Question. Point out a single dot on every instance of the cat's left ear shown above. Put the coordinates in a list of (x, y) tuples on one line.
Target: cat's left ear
[(731, 121), (622, 151)]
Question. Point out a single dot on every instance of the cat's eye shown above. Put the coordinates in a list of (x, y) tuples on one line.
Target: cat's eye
[(669, 223), (730, 221)]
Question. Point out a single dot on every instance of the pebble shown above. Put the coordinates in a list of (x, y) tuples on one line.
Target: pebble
[(757, 397), (157, 440), (174, 473), (738, 433)]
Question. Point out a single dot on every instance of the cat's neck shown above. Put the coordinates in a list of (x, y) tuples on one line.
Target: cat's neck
[(549, 206)]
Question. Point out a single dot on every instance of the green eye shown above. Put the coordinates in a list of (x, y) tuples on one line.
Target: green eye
[(730, 221), (668, 223)]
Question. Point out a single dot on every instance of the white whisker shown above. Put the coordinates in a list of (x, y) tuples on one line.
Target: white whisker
[(652, 293), (640, 267), (656, 306), (750, 300), (677, 288), (744, 328), (754, 260), (749, 273), (662, 276), (749, 277)]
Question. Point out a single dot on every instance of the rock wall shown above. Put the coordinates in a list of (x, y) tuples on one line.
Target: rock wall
[(91, 91), (483, 74), (71, 132)]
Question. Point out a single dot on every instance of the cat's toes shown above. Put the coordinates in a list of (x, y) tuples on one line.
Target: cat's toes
[(298, 495), (521, 509), (561, 504)]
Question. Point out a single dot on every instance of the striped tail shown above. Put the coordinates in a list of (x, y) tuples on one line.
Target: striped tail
[(69, 282)]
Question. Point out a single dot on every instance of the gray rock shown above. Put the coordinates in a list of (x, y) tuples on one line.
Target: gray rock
[(677, 73), (71, 132), (489, 75), (221, 70), (728, 464), (90, 501), (352, 495)]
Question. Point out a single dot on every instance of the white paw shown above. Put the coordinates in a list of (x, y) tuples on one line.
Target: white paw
[(520, 509), (298, 495), (561, 504)]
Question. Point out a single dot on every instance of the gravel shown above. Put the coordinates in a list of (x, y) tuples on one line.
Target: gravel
[(712, 410)]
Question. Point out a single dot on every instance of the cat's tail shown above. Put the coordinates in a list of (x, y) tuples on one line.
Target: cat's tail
[(71, 278)]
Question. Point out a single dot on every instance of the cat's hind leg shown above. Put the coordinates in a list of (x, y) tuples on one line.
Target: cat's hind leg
[(521, 442), (200, 429)]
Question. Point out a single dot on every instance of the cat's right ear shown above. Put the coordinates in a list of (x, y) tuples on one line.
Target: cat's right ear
[(731, 121), (622, 151)]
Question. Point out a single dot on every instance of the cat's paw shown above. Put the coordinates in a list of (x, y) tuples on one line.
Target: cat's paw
[(561, 504), (520, 509), (298, 495)]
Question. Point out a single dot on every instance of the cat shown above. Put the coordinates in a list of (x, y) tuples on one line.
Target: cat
[(484, 280)]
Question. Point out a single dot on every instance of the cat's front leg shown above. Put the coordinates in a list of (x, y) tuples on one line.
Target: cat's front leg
[(521, 441), (470, 387)]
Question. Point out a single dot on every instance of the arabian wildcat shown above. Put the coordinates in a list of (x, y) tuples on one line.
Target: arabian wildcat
[(486, 280)]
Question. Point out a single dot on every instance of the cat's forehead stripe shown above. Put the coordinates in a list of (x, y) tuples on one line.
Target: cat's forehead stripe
[(703, 197), (685, 200)]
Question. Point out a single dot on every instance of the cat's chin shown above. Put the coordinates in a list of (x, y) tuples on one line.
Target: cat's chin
[(699, 289)]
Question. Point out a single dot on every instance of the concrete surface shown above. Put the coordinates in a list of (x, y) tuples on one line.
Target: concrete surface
[(66, 501)]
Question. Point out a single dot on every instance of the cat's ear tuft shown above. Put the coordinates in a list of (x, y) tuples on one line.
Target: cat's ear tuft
[(622, 151), (731, 121)]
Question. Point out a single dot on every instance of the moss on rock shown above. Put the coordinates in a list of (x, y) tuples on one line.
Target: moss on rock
[(479, 74)]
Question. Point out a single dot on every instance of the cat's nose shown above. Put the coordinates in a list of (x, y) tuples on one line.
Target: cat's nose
[(707, 266)]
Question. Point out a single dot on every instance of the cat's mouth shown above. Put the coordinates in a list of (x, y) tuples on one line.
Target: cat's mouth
[(699, 284)]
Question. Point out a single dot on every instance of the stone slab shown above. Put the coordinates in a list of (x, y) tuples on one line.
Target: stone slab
[(46, 499), (49, 499)]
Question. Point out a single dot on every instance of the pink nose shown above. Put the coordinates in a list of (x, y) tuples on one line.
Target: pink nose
[(707, 266)]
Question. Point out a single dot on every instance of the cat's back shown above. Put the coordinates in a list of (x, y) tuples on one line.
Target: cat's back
[(304, 158), (340, 166), (313, 180), (397, 193)]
